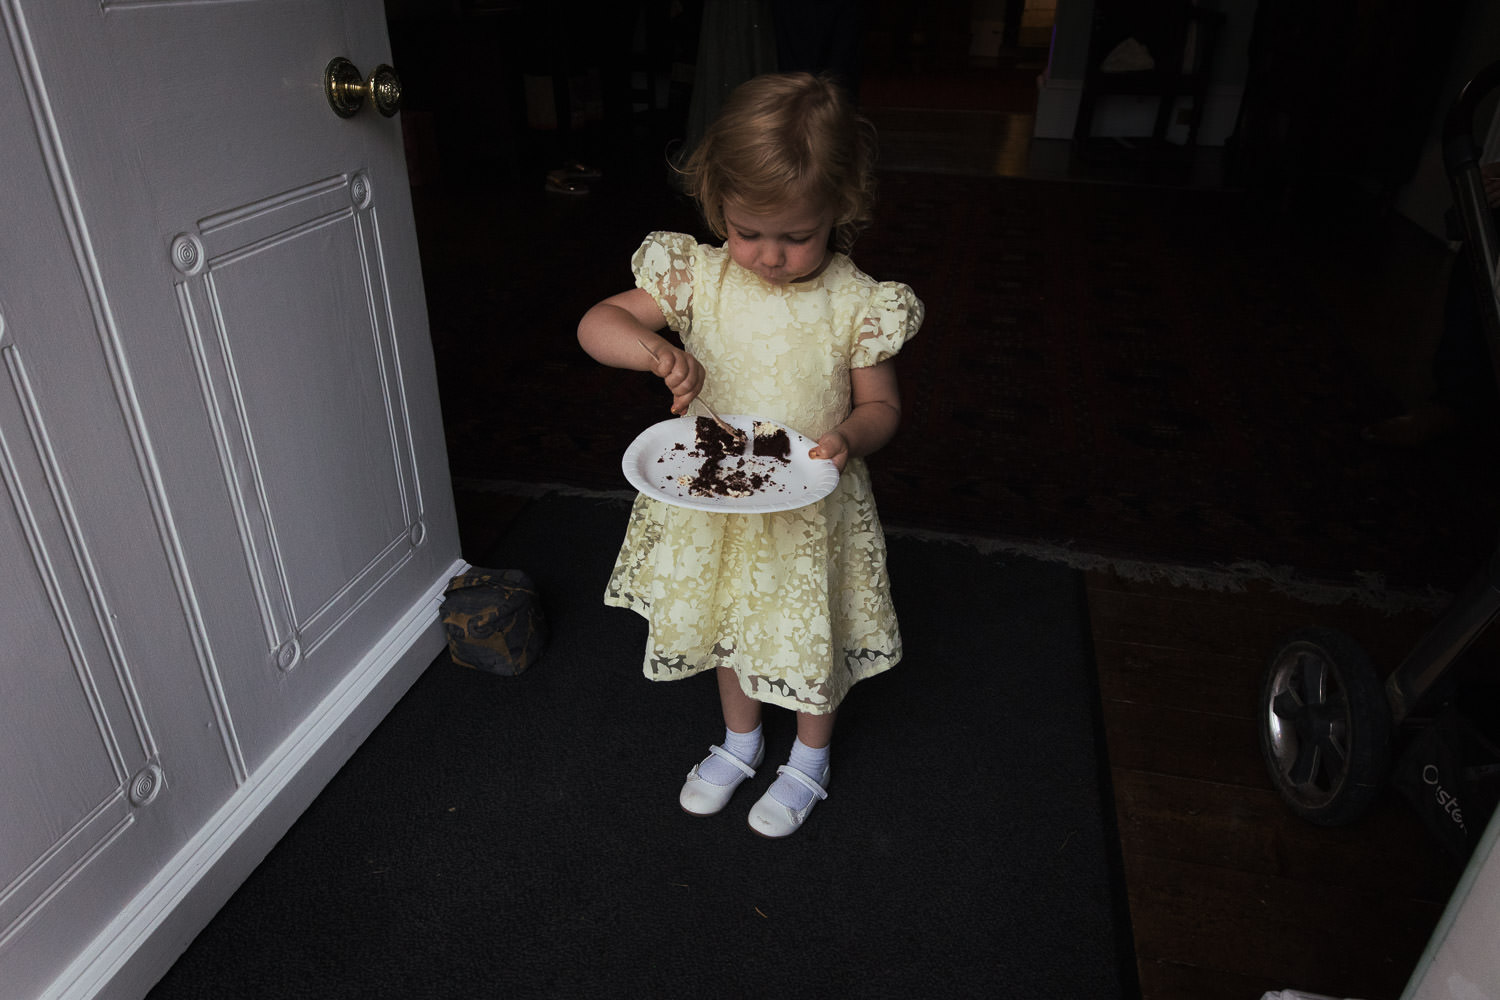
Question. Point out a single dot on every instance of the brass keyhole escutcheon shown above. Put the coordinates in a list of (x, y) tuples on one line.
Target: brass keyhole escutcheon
[(347, 90)]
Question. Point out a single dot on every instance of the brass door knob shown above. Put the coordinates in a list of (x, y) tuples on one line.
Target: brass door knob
[(384, 87), (347, 90)]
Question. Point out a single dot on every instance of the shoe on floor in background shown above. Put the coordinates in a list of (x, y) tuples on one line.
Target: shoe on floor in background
[(560, 182), (1417, 429)]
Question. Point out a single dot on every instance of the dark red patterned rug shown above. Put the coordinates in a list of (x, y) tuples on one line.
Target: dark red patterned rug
[(1149, 374)]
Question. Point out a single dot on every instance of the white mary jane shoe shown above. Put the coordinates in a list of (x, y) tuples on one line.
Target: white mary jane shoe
[(770, 818), (704, 798)]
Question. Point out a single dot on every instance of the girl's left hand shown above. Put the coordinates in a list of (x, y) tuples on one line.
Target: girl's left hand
[(834, 447)]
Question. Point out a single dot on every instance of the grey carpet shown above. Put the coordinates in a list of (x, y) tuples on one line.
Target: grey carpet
[(520, 836)]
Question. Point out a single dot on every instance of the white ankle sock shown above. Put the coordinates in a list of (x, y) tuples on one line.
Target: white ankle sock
[(745, 746), (810, 761)]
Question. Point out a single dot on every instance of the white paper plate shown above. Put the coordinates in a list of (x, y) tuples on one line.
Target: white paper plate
[(653, 462)]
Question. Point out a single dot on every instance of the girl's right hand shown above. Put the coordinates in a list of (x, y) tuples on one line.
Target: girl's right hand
[(682, 373), (615, 331)]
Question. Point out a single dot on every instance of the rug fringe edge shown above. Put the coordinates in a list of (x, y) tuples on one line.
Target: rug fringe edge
[(1370, 589)]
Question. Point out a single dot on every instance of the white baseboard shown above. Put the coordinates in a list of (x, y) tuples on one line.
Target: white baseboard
[(1131, 117), (137, 948)]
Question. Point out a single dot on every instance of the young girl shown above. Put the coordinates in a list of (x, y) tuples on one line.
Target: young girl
[(789, 608)]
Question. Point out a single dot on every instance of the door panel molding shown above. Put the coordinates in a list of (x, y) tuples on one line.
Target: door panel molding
[(65, 194), (238, 257), (20, 410), (76, 684)]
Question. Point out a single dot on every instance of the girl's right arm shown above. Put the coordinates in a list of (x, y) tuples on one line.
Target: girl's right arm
[(613, 331)]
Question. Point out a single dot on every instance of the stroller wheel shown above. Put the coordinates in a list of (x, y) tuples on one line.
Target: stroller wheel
[(1325, 726)]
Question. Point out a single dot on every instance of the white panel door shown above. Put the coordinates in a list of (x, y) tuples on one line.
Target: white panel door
[(223, 491)]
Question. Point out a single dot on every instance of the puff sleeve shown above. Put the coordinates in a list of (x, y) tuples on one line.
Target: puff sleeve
[(892, 317), (663, 266)]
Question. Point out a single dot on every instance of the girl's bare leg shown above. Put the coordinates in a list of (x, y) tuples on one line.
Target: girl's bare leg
[(741, 712), (815, 731)]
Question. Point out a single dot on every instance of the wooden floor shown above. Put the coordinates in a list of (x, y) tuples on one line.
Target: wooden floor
[(1230, 895)]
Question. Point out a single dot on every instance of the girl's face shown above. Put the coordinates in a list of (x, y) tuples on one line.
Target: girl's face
[(782, 246)]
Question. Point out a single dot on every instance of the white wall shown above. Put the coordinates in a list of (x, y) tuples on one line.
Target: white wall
[(1061, 86)]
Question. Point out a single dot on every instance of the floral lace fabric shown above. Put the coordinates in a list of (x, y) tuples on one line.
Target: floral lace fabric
[(796, 602)]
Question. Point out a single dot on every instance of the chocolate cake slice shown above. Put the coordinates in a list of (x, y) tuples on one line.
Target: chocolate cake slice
[(714, 442), (771, 441)]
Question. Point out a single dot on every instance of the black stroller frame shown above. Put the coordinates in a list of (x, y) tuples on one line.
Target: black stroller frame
[(1327, 721)]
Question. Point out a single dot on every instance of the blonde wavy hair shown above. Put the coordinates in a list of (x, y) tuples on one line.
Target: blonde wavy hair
[(782, 136)]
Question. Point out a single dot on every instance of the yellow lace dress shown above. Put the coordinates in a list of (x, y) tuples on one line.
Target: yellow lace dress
[(797, 602)]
